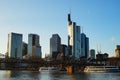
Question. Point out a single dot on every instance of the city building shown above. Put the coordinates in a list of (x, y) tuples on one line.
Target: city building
[(14, 45), (74, 39), (117, 51), (63, 52), (55, 45), (34, 48), (106, 55), (92, 53), (87, 47), (84, 46), (64, 49), (102, 56)]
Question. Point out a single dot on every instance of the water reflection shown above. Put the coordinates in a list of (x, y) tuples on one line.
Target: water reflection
[(35, 75), (20, 75)]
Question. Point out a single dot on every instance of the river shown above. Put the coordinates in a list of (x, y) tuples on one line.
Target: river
[(34, 75)]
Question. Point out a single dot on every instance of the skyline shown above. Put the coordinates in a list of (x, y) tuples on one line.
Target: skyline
[(49, 17)]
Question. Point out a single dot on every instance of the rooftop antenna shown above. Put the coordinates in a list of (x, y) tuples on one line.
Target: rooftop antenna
[(69, 17)]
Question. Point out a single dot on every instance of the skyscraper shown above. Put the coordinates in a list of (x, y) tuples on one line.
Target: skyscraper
[(55, 45), (34, 48), (74, 37), (14, 45), (87, 47), (84, 45)]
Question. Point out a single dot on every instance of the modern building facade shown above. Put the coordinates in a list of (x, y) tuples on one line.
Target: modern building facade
[(92, 53), (55, 45), (84, 46), (14, 45), (74, 39), (87, 47), (34, 48), (117, 51)]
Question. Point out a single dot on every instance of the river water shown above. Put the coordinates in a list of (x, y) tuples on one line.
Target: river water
[(34, 75)]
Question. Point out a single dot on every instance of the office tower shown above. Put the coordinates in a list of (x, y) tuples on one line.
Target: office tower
[(84, 46), (74, 37), (117, 51), (14, 45), (34, 48), (87, 48), (92, 53), (55, 44)]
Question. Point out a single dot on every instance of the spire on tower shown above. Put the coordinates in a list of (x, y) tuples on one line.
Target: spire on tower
[(69, 18)]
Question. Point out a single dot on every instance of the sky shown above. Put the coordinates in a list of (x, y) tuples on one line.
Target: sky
[(100, 20)]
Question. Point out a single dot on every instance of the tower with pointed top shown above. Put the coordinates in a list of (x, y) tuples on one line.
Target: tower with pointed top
[(74, 37)]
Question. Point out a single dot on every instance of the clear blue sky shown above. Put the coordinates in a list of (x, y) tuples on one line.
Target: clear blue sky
[(99, 18)]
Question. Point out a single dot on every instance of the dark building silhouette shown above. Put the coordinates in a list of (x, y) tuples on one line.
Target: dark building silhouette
[(55, 44), (102, 56), (64, 51)]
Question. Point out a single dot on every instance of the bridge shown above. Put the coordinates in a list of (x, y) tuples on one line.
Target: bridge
[(34, 64)]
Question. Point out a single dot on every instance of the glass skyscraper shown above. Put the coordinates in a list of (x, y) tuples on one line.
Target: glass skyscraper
[(74, 39), (14, 45), (84, 46)]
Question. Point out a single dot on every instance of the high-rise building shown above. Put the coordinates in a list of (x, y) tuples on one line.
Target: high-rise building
[(84, 46), (87, 47), (92, 53), (34, 48), (14, 45), (117, 51), (74, 37), (55, 44)]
